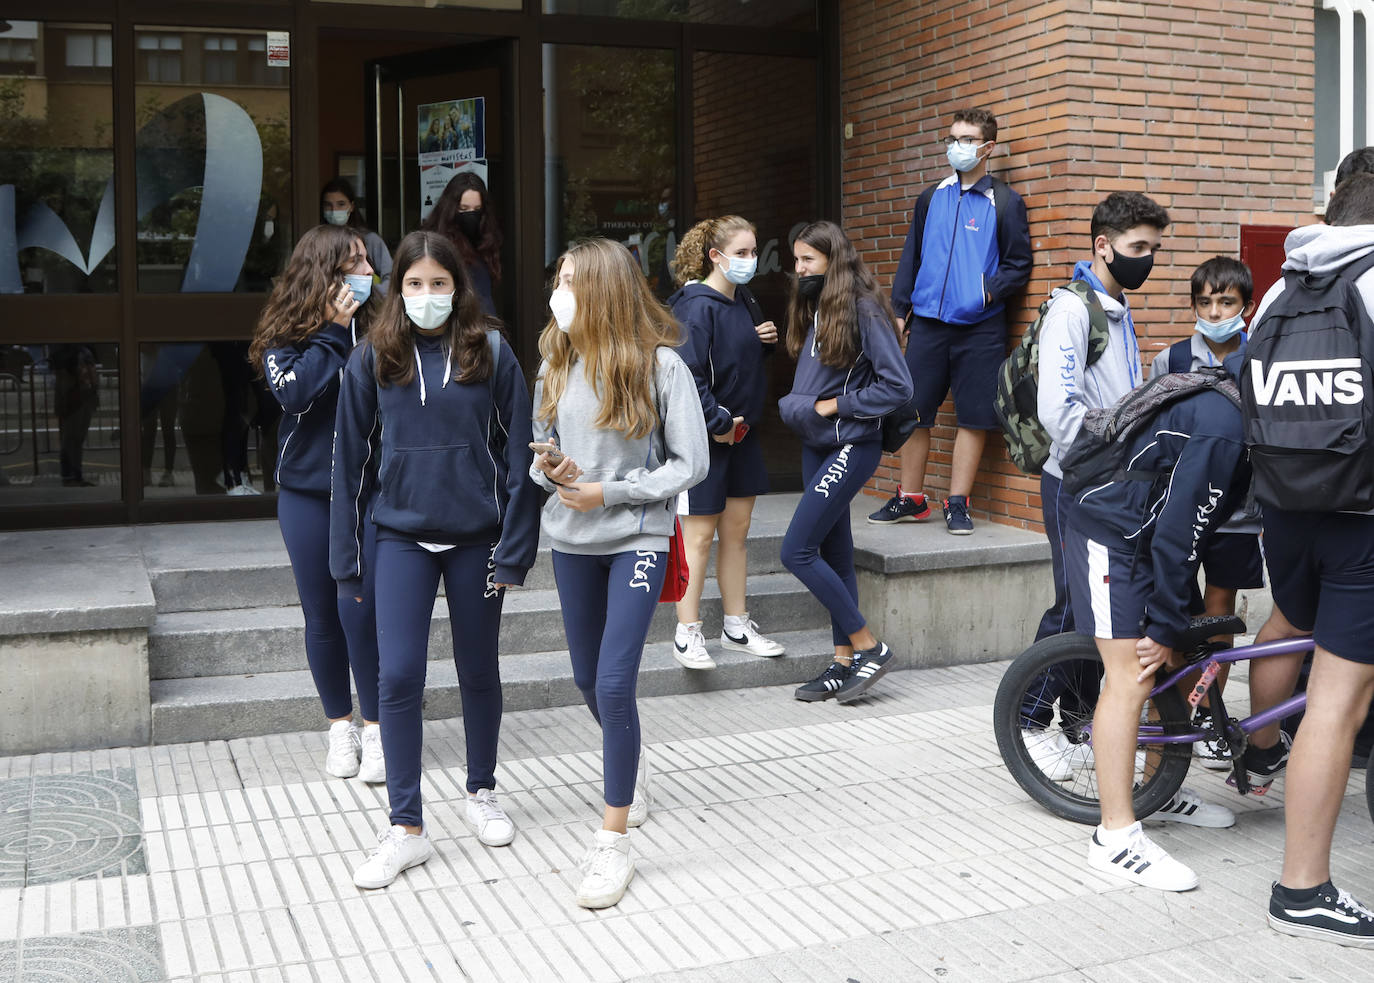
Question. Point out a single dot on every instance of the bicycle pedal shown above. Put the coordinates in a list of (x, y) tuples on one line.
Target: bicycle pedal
[(1258, 790)]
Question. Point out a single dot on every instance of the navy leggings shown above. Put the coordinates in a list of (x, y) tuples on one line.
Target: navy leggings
[(608, 602), (818, 546), (339, 632), (407, 581)]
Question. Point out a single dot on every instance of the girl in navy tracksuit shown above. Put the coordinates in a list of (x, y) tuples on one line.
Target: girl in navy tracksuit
[(850, 374), (725, 351), (302, 341), (621, 405), (434, 415)]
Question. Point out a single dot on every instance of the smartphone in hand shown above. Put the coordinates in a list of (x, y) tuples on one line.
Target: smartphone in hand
[(741, 429), (542, 447)]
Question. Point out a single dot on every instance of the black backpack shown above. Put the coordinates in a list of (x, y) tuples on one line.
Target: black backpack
[(1098, 454), (1306, 390)]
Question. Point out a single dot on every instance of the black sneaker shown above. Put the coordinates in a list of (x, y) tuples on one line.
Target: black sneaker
[(826, 685), (956, 515), (1331, 916), (869, 665), (1262, 765), (1208, 754), (901, 508)]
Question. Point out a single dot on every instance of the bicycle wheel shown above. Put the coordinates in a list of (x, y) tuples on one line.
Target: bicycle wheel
[(1044, 704)]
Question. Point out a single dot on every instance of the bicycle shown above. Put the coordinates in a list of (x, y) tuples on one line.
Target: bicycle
[(1167, 730)]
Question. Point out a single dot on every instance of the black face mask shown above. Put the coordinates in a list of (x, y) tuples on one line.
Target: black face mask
[(471, 224), (1130, 271), (809, 287)]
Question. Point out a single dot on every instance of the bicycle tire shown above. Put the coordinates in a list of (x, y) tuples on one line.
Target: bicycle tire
[(1159, 772)]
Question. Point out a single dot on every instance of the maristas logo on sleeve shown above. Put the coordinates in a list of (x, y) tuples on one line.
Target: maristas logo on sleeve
[(1308, 382)]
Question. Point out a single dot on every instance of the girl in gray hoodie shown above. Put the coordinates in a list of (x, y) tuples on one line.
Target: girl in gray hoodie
[(623, 411)]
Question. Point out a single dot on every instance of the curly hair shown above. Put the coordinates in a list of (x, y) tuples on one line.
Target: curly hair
[(616, 331), (444, 220), (1122, 211), (692, 261), (847, 282), (295, 308), (392, 333)]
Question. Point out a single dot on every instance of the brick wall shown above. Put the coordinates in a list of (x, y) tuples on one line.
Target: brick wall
[(1206, 105)]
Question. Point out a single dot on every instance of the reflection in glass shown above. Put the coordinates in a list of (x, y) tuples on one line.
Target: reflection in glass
[(214, 161), (59, 424), (57, 231), (611, 144), (207, 426), (795, 14)]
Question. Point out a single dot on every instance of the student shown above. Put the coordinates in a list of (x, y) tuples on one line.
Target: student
[(619, 402), (464, 214), (967, 251), (338, 206), (1132, 549), (307, 329), (1222, 292), (850, 374), (442, 435), (725, 351)]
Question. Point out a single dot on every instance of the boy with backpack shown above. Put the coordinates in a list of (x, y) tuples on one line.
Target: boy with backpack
[(1222, 292), (1149, 492)]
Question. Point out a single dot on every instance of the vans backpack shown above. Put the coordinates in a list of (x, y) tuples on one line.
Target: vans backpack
[(1307, 396), (1098, 454), (1028, 443)]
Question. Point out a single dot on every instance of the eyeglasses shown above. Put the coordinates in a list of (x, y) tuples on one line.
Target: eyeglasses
[(964, 141)]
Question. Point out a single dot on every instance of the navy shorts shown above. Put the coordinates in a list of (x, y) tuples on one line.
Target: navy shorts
[(1232, 560), (961, 357), (1321, 572), (1108, 587), (737, 471)]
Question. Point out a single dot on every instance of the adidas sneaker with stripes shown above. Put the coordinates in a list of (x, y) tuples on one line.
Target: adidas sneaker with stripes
[(1132, 856)]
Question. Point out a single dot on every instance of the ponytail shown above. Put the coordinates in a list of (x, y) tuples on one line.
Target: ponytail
[(692, 259)]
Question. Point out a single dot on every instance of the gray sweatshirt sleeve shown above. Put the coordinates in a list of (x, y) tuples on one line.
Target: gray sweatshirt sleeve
[(1063, 350), (688, 455), (540, 430), (1160, 365)]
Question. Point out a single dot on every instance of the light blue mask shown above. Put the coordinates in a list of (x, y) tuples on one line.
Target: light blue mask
[(360, 284), (1220, 331), (963, 158), (740, 269)]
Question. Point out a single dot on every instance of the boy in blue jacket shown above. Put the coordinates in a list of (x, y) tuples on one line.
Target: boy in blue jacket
[(968, 250)]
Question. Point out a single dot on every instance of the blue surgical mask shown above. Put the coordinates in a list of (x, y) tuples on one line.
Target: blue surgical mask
[(963, 158), (739, 269), (336, 216), (360, 284), (1220, 331)]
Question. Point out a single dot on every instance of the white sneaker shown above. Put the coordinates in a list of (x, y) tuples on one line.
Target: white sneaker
[(488, 820), (739, 634), (243, 488), (639, 808), (1050, 753), (689, 647), (372, 768), (606, 870), (396, 851), (1134, 857), (345, 748), (1188, 807)]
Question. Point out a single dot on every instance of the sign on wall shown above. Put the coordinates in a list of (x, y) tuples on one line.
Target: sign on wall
[(453, 139)]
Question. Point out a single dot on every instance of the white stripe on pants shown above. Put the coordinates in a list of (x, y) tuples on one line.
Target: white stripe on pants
[(1099, 585)]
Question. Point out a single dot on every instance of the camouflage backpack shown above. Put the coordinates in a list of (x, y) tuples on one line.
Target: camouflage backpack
[(1028, 444)]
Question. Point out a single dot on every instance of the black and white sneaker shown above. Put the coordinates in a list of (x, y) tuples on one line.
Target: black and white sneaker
[(1330, 915), (826, 685), (1208, 754), (1262, 765), (869, 665)]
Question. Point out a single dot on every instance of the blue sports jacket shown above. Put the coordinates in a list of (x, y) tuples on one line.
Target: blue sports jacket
[(956, 249), (723, 350), (305, 380)]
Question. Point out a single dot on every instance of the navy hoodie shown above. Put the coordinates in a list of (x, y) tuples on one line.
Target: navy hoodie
[(449, 462), (1198, 446), (876, 384), (725, 355), (304, 378)]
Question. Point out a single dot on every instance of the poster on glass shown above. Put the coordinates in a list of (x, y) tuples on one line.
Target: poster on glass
[(453, 139)]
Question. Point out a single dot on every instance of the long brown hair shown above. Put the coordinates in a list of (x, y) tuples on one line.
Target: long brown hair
[(444, 220), (617, 330), (692, 261), (295, 308), (393, 334), (847, 282)]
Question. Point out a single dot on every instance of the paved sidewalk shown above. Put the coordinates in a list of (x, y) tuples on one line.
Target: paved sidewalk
[(878, 842)]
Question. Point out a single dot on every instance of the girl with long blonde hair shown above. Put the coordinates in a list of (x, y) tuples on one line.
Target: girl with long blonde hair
[(621, 409)]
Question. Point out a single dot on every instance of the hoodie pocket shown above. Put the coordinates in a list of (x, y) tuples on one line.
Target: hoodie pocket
[(798, 411), (447, 489)]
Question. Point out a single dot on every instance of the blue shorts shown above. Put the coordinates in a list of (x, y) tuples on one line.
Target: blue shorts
[(1233, 561), (962, 357), (1321, 573), (737, 471), (1108, 587)]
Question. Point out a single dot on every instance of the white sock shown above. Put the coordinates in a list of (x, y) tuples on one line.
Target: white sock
[(682, 628), (1117, 837), (737, 620)]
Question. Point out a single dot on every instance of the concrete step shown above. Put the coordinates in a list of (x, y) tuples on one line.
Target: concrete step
[(224, 707), (189, 644)]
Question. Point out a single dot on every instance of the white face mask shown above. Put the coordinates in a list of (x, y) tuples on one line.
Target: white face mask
[(563, 305), (428, 311), (336, 217), (268, 227), (739, 269)]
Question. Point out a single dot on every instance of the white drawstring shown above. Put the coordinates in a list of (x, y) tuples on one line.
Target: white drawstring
[(420, 369)]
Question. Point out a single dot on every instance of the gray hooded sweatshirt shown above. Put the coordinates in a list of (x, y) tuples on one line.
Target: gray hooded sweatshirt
[(1324, 249), (640, 477)]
